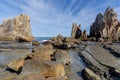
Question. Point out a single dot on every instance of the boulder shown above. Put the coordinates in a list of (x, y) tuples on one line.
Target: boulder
[(47, 43), (37, 76), (17, 28), (42, 53), (16, 65), (33, 76), (91, 39), (34, 43), (57, 41), (62, 56), (106, 26), (71, 40), (44, 68), (89, 75)]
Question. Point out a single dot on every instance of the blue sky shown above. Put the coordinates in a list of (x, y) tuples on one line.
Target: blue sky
[(51, 17)]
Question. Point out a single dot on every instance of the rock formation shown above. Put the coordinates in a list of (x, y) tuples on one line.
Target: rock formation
[(84, 35), (76, 31), (17, 28), (106, 26), (64, 42)]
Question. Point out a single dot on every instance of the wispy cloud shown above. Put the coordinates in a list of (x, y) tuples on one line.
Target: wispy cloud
[(51, 17)]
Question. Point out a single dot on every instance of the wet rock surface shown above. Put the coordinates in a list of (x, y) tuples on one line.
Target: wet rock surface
[(101, 60)]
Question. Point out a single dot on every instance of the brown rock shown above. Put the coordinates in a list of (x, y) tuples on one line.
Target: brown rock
[(63, 57), (57, 41), (89, 75), (37, 76), (106, 26), (47, 43), (35, 43), (33, 76), (42, 53), (58, 78), (16, 64), (16, 28), (45, 68)]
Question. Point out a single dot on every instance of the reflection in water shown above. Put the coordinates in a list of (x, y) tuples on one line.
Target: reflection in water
[(76, 66)]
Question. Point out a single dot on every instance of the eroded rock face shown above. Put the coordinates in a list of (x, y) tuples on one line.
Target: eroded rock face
[(76, 31), (106, 26), (17, 28)]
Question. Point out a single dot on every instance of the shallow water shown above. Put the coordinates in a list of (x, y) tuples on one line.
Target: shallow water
[(8, 55), (76, 66)]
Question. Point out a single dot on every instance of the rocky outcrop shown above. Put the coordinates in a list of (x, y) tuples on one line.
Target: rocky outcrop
[(106, 26), (64, 42), (76, 31), (17, 28)]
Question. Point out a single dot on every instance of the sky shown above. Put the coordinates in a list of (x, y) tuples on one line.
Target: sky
[(52, 17)]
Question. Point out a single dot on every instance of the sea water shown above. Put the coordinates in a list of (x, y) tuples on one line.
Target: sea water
[(42, 39)]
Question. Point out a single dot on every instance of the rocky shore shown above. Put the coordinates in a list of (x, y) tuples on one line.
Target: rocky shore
[(79, 57)]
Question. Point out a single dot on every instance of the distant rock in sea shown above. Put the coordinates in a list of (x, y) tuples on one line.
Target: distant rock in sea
[(17, 28)]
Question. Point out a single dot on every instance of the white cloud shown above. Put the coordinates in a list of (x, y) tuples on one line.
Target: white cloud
[(49, 18)]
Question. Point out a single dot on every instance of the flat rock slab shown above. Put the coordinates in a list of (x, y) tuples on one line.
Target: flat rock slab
[(8, 55), (114, 49), (15, 45), (102, 55)]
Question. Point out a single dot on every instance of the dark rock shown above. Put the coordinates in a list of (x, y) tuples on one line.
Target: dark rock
[(89, 75), (84, 36)]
